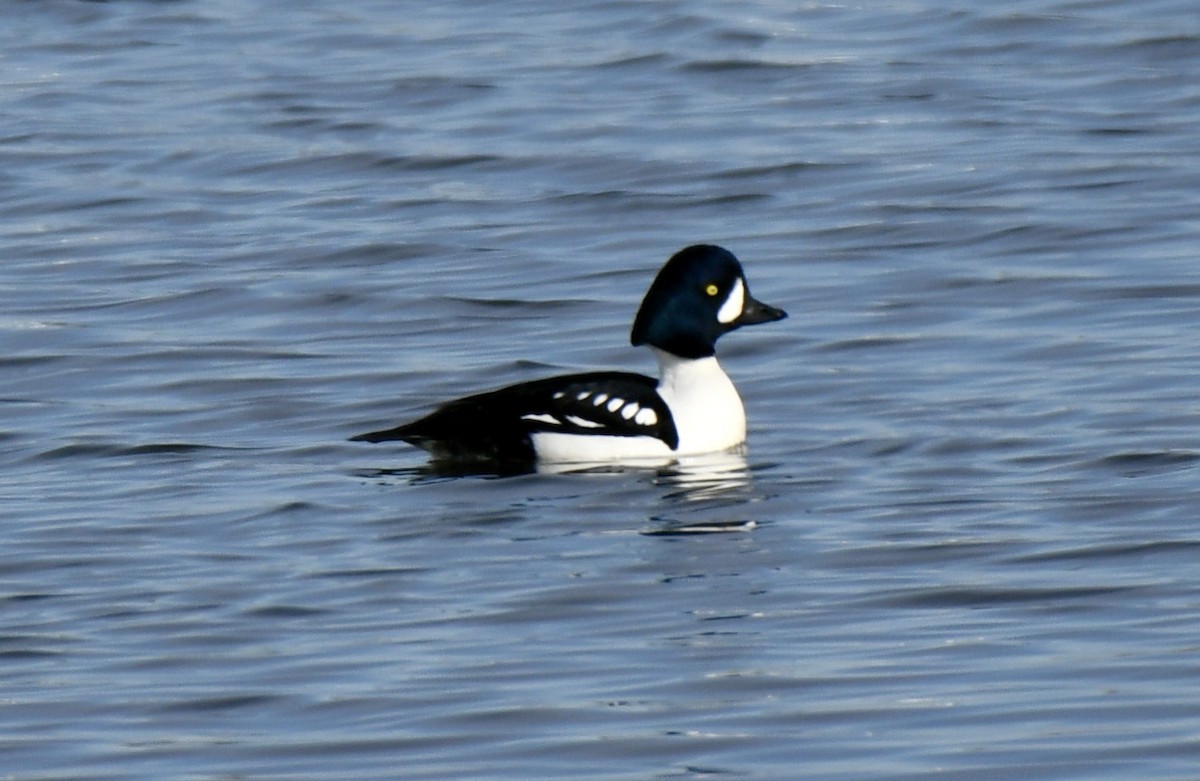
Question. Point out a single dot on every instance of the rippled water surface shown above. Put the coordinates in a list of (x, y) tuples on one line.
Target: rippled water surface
[(963, 543)]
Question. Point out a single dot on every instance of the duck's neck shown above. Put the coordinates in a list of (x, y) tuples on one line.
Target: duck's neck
[(685, 372), (706, 407)]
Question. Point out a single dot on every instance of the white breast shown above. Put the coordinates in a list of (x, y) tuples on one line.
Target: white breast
[(707, 409)]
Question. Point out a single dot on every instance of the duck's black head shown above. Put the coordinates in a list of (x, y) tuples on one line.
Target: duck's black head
[(699, 295)]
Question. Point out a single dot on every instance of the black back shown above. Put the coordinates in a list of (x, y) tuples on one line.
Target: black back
[(497, 426)]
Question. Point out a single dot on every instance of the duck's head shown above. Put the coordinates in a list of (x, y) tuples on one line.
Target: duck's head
[(699, 295)]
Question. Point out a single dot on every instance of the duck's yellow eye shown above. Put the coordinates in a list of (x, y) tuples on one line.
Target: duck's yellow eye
[(711, 289)]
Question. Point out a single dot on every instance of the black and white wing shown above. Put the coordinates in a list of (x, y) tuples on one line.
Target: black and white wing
[(613, 404), (498, 425)]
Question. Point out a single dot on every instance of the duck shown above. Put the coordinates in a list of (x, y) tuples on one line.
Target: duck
[(601, 417)]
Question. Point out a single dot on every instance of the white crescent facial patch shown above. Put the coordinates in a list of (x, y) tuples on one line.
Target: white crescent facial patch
[(732, 308)]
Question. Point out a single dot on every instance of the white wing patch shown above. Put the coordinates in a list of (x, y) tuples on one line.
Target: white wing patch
[(646, 417), (643, 416), (598, 418), (732, 308)]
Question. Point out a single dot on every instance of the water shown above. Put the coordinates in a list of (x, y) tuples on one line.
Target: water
[(962, 543)]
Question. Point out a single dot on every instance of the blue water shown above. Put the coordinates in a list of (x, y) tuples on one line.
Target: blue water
[(962, 543)]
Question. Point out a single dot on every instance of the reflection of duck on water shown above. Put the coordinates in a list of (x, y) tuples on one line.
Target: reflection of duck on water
[(704, 476), (719, 480), (716, 478)]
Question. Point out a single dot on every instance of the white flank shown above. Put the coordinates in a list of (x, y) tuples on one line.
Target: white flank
[(554, 447), (541, 418), (732, 308)]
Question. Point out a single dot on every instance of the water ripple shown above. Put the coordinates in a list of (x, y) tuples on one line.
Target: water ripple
[(959, 542)]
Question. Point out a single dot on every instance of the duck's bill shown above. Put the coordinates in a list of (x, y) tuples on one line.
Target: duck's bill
[(756, 311)]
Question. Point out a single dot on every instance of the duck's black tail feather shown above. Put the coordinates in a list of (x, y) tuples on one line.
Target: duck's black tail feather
[(386, 435)]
